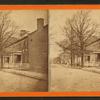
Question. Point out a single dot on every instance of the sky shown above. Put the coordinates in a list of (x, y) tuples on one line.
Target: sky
[(57, 19), (27, 19)]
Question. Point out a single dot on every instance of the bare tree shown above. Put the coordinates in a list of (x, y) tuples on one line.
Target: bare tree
[(70, 44), (84, 28), (7, 30), (79, 30)]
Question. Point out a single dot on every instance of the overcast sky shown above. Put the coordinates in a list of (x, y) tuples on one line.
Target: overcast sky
[(27, 19), (57, 19)]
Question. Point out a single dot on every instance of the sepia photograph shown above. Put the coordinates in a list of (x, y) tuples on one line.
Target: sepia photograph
[(23, 50), (74, 50)]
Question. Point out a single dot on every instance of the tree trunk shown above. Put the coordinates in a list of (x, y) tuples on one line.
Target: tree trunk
[(82, 54), (82, 60), (1, 61), (72, 59)]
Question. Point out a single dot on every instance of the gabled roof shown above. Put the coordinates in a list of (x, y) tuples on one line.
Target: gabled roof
[(24, 37), (94, 45), (16, 41), (92, 40)]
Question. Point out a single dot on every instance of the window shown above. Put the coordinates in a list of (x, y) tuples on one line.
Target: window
[(18, 58), (88, 58), (98, 57), (7, 59)]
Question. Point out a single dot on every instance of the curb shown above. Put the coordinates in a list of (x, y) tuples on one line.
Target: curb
[(35, 77), (94, 71)]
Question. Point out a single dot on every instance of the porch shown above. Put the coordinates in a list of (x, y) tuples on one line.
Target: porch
[(15, 60)]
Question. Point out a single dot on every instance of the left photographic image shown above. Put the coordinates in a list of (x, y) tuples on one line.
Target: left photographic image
[(23, 50)]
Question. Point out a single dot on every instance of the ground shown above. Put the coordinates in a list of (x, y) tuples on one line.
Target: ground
[(73, 80), (10, 82)]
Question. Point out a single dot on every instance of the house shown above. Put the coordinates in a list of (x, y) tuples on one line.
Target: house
[(30, 51), (91, 55)]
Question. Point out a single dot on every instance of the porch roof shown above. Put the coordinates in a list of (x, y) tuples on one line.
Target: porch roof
[(8, 53), (96, 52)]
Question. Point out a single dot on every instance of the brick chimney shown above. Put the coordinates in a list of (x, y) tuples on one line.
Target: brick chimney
[(40, 23)]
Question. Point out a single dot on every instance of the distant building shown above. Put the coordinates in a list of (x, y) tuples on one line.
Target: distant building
[(29, 52), (63, 58), (57, 60)]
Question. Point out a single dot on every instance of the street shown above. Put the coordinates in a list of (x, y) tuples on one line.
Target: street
[(16, 83), (73, 80)]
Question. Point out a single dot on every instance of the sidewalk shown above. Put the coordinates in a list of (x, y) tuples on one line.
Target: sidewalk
[(35, 75), (92, 69)]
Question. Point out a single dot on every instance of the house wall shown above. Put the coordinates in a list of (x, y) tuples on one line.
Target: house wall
[(38, 49), (93, 60)]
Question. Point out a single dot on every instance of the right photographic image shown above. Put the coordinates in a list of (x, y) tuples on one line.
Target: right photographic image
[(74, 50)]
